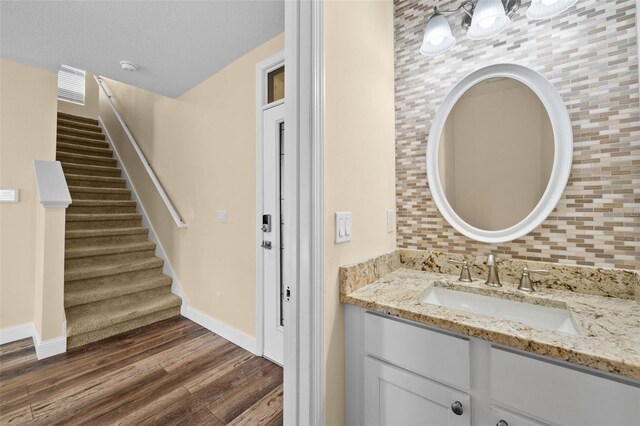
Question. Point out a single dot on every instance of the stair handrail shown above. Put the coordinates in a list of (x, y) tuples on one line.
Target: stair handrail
[(172, 210)]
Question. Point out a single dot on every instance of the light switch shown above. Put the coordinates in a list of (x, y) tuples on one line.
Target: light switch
[(343, 227), (222, 216), (9, 195)]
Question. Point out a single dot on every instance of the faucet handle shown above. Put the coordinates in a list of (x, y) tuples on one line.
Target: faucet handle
[(465, 275), (525, 281), (493, 279)]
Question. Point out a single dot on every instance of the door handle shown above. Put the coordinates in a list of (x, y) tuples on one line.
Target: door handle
[(266, 245)]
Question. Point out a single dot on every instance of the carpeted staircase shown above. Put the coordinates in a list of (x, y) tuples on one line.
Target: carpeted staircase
[(113, 280)]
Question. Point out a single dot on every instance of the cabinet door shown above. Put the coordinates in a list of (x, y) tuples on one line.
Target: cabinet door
[(500, 417), (397, 397)]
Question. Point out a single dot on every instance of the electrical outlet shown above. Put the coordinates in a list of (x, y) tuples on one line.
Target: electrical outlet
[(222, 216), (390, 221), (218, 298)]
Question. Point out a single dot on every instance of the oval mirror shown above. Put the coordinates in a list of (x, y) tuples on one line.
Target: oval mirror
[(499, 153)]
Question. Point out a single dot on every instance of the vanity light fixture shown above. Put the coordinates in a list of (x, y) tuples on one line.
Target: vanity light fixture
[(483, 19), (489, 19), (545, 9), (437, 36)]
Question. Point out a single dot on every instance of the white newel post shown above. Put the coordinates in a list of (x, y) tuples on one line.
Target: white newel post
[(49, 318)]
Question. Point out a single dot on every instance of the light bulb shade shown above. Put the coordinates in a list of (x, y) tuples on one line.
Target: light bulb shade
[(545, 9), (489, 19), (437, 36)]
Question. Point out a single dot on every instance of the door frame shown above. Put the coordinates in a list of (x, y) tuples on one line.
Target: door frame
[(262, 69), (304, 334), (304, 143)]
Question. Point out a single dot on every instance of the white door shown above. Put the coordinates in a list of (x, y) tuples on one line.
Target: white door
[(273, 228), (397, 397)]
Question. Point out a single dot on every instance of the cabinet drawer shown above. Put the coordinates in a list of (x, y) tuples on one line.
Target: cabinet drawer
[(396, 397), (508, 418), (439, 356), (560, 394)]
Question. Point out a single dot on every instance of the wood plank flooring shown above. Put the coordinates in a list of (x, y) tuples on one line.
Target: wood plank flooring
[(173, 372)]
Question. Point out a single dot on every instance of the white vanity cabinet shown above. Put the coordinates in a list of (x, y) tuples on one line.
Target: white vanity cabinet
[(402, 373), (393, 396)]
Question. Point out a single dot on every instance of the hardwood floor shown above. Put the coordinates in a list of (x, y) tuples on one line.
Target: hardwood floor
[(171, 372)]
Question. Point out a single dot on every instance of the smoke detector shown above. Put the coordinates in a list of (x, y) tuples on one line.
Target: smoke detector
[(128, 66)]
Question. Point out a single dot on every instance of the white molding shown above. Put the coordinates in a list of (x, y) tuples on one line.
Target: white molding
[(18, 332), (563, 151), (304, 337), (51, 347), (262, 68), (52, 185), (225, 331), (167, 268)]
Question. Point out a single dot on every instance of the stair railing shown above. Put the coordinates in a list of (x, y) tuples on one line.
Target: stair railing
[(172, 210)]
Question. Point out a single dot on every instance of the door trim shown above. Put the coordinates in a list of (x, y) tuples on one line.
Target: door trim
[(304, 334), (262, 69)]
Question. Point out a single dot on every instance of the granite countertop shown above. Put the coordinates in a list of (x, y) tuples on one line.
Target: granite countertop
[(609, 328)]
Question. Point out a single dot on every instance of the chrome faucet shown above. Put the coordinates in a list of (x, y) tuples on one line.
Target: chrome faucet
[(493, 280), (525, 281), (465, 275)]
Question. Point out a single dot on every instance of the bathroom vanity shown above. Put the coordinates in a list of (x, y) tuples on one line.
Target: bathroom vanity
[(413, 359), (427, 344)]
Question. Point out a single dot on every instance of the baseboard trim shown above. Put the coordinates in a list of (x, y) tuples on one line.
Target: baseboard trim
[(51, 347), (18, 332), (167, 269), (223, 330)]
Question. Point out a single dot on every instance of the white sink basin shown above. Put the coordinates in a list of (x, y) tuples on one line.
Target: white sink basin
[(533, 315)]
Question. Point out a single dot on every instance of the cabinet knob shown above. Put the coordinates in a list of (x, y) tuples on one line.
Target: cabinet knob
[(456, 407), (502, 423)]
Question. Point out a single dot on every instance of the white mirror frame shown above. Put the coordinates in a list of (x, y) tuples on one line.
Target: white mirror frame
[(562, 160)]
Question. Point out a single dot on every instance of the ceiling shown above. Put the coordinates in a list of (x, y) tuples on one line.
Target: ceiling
[(175, 44)]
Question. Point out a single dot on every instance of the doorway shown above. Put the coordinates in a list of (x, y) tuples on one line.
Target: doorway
[(271, 189)]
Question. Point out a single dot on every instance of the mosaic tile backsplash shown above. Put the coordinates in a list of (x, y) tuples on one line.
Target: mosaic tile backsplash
[(589, 54)]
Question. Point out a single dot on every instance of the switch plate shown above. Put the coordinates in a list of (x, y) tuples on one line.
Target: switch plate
[(343, 227), (9, 195), (390, 224), (222, 216)]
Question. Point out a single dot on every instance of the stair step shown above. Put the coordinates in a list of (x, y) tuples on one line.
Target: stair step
[(102, 206), (83, 339), (61, 130), (88, 293), (93, 193), (82, 141), (102, 220), (84, 169), (107, 236), (116, 268), (94, 181), (91, 160), (86, 323), (79, 252), (79, 125), (83, 149), (71, 117)]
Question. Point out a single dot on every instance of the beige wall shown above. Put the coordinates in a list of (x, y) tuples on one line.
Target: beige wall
[(90, 107), (27, 133), (202, 147), (359, 157)]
